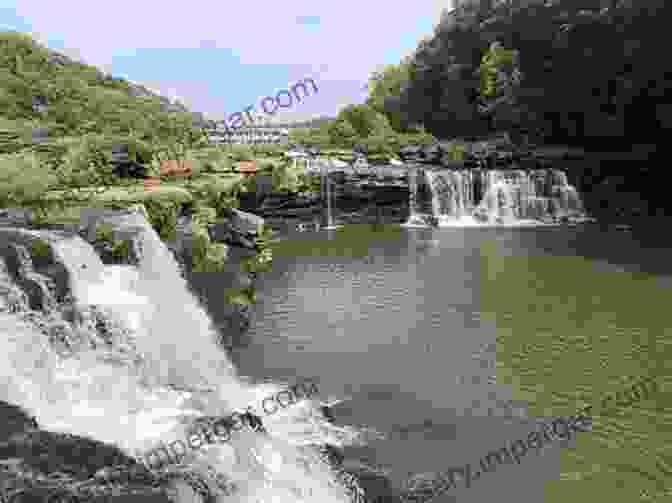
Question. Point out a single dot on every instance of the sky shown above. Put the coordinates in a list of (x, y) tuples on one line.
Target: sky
[(220, 57)]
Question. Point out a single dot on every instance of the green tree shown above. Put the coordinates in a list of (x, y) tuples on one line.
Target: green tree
[(500, 79), (385, 88), (365, 120), (342, 133)]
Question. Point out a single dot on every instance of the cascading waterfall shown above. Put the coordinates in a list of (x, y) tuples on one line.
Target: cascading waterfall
[(499, 197), (100, 352)]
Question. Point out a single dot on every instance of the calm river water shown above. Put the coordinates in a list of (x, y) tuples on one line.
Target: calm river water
[(453, 342)]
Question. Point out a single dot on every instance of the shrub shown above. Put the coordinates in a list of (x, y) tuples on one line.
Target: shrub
[(24, 181), (248, 184), (219, 196), (206, 256), (118, 248), (284, 179), (455, 151), (213, 160), (163, 216), (241, 153), (240, 296), (270, 149), (266, 167), (308, 183), (262, 260), (39, 248), (197, 166), (87, 164)]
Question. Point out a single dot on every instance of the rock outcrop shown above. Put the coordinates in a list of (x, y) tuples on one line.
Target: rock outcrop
[(124, 165), (236, 228)]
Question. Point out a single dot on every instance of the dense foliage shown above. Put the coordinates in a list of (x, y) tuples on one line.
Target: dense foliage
[(588, 75), (363, 127), (71, 98), (61, 123), (576, 73)]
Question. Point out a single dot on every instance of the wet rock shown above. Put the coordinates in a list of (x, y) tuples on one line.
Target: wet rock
[(409, 153), (123, 165), (15, 217), (14, 420), (30, 263), (125, 225), (237, 228)]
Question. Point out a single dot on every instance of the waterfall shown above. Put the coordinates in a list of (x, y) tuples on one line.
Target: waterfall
[(501, 197), (105, 352)]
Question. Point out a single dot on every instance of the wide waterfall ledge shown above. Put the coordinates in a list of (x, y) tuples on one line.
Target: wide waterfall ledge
[(492, 198)]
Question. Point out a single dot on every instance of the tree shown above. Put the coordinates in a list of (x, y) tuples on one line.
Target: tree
[(500, 79), (385, 88), (365, 120), (342, 133)]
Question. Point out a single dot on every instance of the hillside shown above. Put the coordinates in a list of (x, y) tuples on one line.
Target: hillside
[(40, 87)]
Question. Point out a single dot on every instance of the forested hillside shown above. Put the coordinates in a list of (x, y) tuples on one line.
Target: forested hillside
[(593, 74), (39, 87)]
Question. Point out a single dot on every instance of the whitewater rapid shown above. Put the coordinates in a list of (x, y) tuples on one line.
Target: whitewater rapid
[(159, 339)]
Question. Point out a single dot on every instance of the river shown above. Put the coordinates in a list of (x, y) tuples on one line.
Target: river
[(454, 342)]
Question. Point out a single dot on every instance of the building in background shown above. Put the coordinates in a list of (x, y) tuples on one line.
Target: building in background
[(262, 134)]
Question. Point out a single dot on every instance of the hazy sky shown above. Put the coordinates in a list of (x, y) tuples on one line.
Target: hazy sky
[(220, 56)]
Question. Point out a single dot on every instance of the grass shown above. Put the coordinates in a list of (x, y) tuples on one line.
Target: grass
[(171, 189)]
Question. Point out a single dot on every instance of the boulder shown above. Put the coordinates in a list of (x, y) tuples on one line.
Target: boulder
[(40, 135), (409, 153), (123, 165), (432, 153), (15, 217), (237, 228)]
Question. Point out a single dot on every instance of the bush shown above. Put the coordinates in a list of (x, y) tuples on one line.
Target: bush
[(241, 153), (248, 184), (163, 216), (271, 150), (118, 248), (285, 179), (213, 160), (455, 151), (206, 256), (87, 164), (266, 167), (39, 248), (24, 180), (240, 296), (219, 196), (262, 260), (308, 183)]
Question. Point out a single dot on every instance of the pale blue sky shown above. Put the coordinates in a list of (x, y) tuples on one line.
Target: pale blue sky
[(219, 57)]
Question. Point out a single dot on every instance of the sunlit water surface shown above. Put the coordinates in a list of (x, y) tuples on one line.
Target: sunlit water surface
[(454, 342)]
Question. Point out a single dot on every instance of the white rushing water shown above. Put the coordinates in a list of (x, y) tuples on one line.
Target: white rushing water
[(125, 393), (496, 198)]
